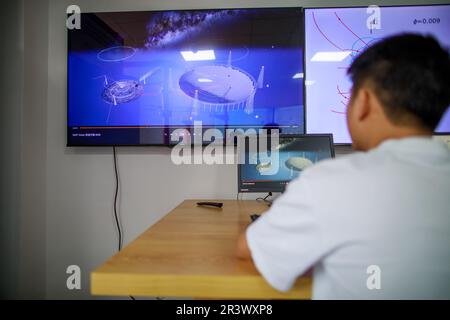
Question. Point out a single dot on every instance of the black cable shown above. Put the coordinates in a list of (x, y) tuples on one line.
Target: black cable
[(116, 192), (265, 198), (269, 202), (119, 229)]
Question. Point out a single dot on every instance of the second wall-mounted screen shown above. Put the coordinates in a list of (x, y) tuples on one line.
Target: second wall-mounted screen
[(335, 36)]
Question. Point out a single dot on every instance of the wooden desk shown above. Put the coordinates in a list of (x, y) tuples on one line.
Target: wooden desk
[(191, 253)]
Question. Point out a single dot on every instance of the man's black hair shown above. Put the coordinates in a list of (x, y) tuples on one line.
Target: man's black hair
[(410, 75)]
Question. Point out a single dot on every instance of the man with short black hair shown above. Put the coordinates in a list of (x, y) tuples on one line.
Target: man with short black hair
[(374, 224)]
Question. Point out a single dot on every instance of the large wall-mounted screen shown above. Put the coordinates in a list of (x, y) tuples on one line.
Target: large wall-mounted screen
[(135, 77)]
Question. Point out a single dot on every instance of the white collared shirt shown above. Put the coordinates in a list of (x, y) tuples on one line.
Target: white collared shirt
[(386, 212)]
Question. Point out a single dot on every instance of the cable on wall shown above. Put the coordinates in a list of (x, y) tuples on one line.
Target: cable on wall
[(116, 192)]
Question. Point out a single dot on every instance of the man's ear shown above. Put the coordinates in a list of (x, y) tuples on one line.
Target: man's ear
[(361, 105)]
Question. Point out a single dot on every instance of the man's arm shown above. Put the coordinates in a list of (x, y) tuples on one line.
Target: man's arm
[(273, 241), (242, 250)]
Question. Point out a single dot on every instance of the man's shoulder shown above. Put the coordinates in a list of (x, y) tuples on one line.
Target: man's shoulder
[(355, 162)]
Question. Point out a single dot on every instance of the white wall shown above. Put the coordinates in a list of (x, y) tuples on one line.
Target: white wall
[(77, 183)]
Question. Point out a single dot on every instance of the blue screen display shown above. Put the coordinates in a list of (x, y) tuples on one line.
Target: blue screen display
[(133, 77), (271, 171), (286, 171)]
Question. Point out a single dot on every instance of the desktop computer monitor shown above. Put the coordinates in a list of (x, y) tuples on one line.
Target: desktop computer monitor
[(267, 172)]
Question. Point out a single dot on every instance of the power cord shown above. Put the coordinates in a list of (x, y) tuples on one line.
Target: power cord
[(116, 192), (269, 202)]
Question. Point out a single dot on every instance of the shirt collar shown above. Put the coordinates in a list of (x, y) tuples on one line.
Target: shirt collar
[(416, 145)]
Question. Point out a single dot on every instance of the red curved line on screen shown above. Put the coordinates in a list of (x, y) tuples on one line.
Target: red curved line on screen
[(323, 34), (342, 22), (342, 93)]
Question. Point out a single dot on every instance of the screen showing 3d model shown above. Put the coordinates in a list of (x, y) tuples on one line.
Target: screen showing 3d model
[(335, 36), (135, 77)]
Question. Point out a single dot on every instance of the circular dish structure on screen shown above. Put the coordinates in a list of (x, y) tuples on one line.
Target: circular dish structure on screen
[(219, 86), (115, 54), (298, 163), (122, 91)]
